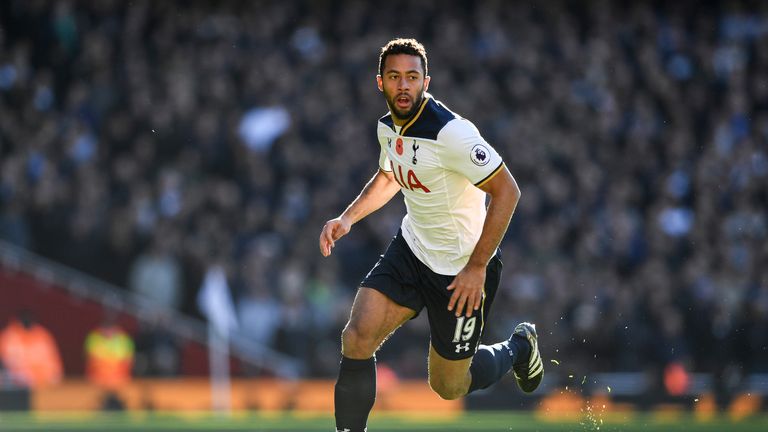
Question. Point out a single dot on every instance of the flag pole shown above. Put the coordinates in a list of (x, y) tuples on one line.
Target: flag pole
[(215, 301), (218, 358)]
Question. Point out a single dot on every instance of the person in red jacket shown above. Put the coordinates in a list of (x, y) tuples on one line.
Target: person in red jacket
[(109, 360), (109, 355), (29, 353)]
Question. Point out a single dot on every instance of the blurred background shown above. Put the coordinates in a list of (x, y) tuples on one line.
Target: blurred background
[(151, 149)]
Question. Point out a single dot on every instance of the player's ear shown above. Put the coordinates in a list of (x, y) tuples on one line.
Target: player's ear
[(427, 79), (380, 83)]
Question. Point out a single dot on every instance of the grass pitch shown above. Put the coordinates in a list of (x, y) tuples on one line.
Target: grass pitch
[(314, 422)]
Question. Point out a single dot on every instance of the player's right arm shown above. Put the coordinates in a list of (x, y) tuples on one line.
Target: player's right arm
[(377, 192)]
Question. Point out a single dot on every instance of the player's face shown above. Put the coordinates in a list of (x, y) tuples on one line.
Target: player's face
[(403, 84)]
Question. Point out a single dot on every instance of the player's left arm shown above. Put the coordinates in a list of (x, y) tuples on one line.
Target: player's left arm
[(468, 284)]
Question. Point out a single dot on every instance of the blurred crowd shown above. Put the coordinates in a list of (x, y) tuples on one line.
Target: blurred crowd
[(144, 141)]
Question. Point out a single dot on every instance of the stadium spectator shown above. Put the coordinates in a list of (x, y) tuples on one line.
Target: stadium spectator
[(156, 274), (258, 308), (158, 352)]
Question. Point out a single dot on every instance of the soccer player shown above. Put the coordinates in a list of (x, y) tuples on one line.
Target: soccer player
[(445, 255)]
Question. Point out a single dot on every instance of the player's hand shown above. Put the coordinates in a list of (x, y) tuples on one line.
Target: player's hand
[(467, 289), (333, 230)]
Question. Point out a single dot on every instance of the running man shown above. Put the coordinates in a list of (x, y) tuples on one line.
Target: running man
[(444, 257)]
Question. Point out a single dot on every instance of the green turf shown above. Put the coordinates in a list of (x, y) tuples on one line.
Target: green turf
[(279, 422)]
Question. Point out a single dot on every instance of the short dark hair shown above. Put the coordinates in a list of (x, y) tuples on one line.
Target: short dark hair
[(403, 46)]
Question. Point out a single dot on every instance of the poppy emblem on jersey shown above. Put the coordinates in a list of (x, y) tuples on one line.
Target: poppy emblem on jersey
[(399, 146), (480, 155)]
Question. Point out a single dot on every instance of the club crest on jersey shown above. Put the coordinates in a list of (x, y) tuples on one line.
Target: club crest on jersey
[(389, 142), (480, 155), (399, 146), (414, 147)]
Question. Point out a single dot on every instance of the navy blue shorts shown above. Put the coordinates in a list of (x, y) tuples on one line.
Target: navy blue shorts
[(408, 282)]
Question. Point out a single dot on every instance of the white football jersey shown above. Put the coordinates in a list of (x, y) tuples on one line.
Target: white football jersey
[(440, 160)]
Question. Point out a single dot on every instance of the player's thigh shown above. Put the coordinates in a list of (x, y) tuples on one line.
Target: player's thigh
[(446, 373), (374, 316)]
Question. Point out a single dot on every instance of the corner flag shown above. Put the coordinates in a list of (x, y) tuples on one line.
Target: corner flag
[(215, 301)]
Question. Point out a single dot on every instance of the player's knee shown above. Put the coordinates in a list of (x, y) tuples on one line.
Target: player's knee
[(356, 342), (447, 390)]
